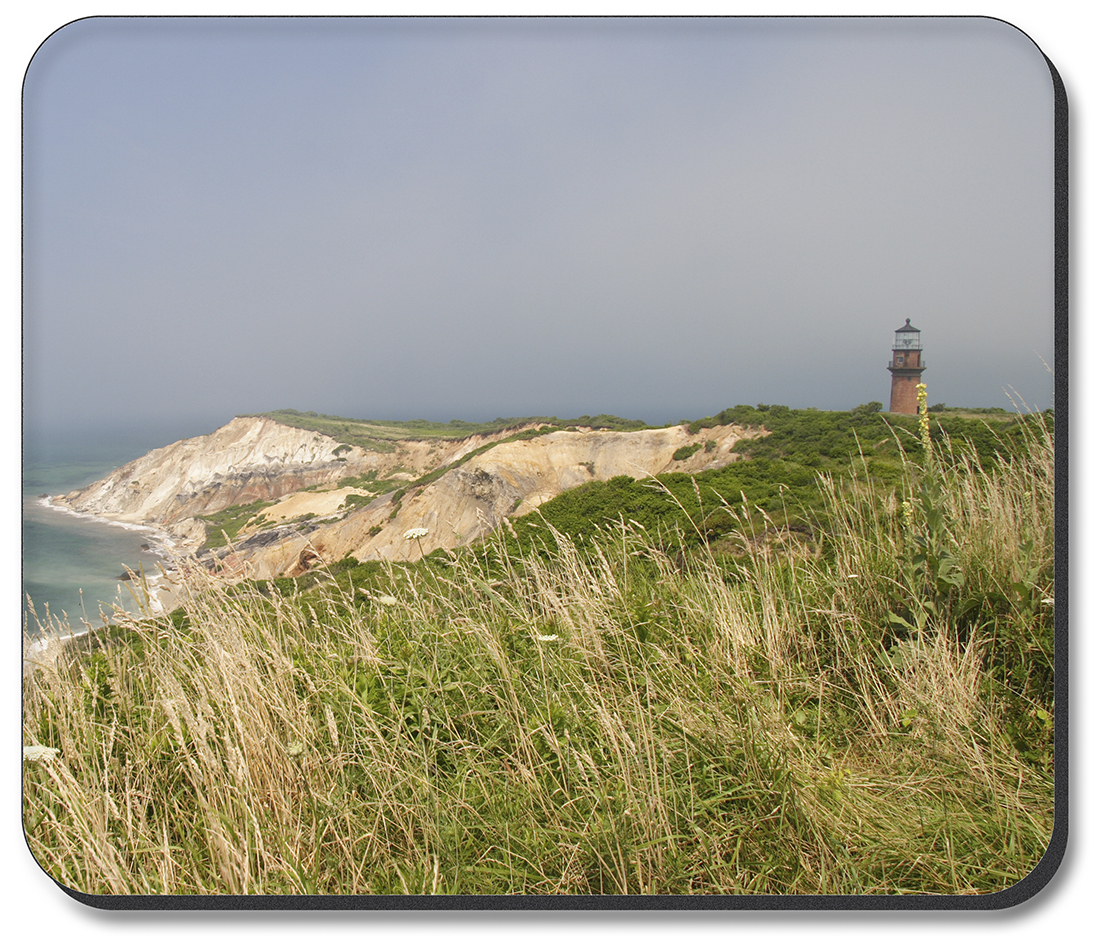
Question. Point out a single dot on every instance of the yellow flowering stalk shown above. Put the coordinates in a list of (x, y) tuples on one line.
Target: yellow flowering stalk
[(922, 409), (934, 574), (907, 515)]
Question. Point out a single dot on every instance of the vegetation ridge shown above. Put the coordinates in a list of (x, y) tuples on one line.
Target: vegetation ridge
[(627, 706), (379, 435)]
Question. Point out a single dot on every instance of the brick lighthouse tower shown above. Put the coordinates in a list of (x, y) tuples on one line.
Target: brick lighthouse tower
[(906, 368)]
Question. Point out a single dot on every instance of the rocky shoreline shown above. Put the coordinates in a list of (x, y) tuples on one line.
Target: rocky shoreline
[(159, 593)]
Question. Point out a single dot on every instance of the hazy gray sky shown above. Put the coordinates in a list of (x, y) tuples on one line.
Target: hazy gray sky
[(441, 219)]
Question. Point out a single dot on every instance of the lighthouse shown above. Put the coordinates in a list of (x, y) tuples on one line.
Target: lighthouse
[(905, 368)]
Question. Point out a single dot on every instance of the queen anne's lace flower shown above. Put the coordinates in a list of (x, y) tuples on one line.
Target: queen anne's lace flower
[(550, 638), (387, 600), (39, 753), (415, 533)]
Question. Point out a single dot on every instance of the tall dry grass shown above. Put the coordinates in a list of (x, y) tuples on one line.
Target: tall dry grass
[(598, 718)]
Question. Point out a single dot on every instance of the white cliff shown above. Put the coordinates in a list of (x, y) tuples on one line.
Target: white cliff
[(249, 458)]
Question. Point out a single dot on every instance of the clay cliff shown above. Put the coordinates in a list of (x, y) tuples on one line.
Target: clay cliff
[(319, 513)]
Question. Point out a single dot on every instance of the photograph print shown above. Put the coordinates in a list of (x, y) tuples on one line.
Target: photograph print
[(544, 463)]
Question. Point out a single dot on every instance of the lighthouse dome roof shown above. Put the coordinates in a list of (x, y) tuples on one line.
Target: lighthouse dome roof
[(908, 327)]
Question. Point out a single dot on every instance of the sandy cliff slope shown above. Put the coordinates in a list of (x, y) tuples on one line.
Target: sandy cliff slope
[(257, 458), (470, 501)]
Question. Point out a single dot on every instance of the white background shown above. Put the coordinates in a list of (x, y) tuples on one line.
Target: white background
[(1063, 30)]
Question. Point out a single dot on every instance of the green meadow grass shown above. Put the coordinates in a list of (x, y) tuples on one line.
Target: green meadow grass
[(380, 436), (865, 711)]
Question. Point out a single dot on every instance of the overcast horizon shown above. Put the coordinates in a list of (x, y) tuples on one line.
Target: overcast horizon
[(397, 219)]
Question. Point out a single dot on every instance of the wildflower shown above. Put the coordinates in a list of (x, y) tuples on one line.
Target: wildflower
[(387, 600), (1048, 601), (39, 753), (549, 638), (295, 748), (907, 515), (414, 534)]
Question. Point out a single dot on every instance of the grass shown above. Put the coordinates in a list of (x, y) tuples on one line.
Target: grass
[(870, 712), (381, 436), (223, 526)]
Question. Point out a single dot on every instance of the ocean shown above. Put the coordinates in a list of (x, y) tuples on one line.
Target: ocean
[(73, 564)]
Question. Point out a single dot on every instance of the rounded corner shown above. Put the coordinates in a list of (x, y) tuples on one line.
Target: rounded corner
[(1056, 79), (53, 33), (1036, 881)]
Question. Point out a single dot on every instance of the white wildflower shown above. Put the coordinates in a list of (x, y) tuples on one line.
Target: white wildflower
[(414, 534), (295, 748), (387, 600), (39, 753), (549, 638)]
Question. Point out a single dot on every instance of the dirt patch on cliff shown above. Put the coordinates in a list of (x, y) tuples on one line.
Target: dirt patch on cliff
[(319, 503)]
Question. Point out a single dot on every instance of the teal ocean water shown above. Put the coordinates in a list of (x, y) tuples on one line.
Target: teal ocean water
[(72, 563)]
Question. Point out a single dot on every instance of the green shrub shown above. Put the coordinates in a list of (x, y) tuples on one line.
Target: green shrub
[(224, 526), (686, 452)]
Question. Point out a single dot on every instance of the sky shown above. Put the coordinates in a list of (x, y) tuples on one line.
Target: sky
[(658, 219)]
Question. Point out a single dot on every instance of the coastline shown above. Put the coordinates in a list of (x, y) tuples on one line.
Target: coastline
[(153, 593), (40, 650), (165, 543)]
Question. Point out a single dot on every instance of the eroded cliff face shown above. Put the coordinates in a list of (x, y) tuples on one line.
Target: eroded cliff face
[(249, 458), (469, 502), (256, 458)]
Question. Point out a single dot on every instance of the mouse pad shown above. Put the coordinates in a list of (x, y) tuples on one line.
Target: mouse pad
[(600, 463)]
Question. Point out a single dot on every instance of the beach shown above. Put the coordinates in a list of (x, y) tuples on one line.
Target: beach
[(79, 569), (49, 630)]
